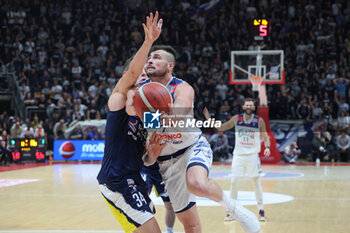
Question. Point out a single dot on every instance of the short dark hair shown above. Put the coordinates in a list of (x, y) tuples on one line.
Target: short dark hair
[(248, 100), (166, 48)]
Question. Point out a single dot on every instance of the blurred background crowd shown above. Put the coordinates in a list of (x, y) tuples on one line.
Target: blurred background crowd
[(66, 57)]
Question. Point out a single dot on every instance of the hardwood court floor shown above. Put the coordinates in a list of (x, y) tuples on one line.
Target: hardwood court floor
[(65, 198)]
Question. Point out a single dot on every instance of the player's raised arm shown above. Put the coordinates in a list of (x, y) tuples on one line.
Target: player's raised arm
[(225, 126), (152, 30), (265, 137)]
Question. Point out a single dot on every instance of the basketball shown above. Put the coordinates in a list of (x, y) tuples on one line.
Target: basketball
[(152, 97)]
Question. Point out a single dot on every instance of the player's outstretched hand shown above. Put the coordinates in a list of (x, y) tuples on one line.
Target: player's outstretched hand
[(206, 113), (155, 146), (153, 27)]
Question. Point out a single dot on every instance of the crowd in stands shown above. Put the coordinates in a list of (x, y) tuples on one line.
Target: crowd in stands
[(68, 55)]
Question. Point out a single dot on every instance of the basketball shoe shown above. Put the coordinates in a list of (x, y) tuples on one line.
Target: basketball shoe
[(262, 217), (229, 218), (246, 218)]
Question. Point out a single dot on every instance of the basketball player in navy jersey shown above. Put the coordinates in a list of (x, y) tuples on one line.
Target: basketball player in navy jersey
[(152, 177), (187, 157), (120, 181), (248, 128)]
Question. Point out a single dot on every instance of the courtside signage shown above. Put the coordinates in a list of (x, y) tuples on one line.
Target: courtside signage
[(78, 150)]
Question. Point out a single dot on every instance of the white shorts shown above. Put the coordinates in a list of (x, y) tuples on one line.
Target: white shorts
[(130, 207), (242, 164), (174, 173)]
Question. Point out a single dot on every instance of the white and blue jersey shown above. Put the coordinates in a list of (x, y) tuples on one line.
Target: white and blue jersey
[(184, 148), (177, 138), (247, 136)]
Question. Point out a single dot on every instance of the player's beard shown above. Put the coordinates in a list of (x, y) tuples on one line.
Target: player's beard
[(156, 73), (248, 111)]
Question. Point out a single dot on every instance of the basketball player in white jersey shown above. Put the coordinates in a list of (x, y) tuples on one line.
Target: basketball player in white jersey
[(187, 157), (248, 128), (150, 173)]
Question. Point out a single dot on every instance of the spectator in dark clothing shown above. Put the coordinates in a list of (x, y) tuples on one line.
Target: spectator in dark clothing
[(331, 147), (220, 146), (5, 152), (343, 146), (303, 110), (318, 147), (77, 134), (93, 112)]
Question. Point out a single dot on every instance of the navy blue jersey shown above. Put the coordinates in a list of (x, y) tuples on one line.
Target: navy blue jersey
[(124, 146)]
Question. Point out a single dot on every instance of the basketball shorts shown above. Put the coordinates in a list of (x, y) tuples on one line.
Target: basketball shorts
[(242, 164), (130, 204), (174, 173), (152, 177)]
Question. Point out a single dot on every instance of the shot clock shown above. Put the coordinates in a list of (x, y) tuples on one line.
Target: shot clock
[(28, 149), (261, 29)]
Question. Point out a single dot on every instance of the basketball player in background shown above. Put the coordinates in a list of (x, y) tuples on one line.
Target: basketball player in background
[(152, 177), (120, 181), (187, 157), (248, 128)]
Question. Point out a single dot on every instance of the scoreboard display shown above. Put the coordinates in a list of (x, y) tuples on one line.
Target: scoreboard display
[(28, 149), (261, 29)]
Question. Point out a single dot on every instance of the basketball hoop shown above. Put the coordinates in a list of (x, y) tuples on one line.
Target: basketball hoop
[(256, 82)]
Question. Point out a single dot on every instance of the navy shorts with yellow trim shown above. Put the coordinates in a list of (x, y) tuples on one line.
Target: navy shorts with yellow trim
[(130, 204)]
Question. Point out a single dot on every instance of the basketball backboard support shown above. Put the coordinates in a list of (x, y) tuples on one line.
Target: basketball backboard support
[(265, 63)]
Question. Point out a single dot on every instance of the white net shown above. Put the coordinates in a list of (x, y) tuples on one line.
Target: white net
[(256, 82)]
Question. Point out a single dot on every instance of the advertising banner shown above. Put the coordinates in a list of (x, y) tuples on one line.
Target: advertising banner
[(78, 150)]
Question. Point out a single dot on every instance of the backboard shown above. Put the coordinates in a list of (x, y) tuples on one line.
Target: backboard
[(265, 63)]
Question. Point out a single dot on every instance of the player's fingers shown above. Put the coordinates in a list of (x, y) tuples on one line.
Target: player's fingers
[(155, 20), (151, 18), (157, 139), (144, 28), (154, 135), (163, 145), (160, 24), (147, 21)]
